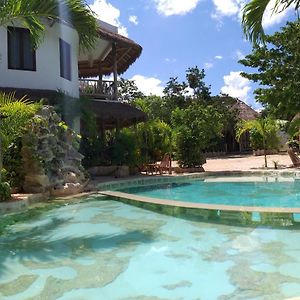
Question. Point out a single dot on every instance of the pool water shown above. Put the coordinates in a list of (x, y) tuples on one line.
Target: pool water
[(238, 191), (102, 249)]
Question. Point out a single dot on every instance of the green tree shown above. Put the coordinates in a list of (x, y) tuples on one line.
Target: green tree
[(253, 14), (278, 72), (264, 132), (195, 79), (33, 15), (128, 90), (196, 128)]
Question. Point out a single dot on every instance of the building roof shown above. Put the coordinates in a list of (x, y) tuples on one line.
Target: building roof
[(244, 111), (115, 113), (127, 52)]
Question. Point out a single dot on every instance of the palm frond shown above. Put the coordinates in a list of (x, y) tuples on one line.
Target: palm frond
[(253, 13), (33, 13), (252, 20)]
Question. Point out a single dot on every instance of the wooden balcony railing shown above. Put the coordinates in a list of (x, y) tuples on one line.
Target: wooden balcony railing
[(94, 88)]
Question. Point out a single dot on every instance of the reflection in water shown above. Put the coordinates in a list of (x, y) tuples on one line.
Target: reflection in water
[(105, 249)]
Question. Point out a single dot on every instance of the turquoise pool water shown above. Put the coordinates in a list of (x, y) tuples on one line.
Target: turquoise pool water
[(102, 249), (229, 191)]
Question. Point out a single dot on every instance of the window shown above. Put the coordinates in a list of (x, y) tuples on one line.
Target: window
[(21, 54), (65, 59)]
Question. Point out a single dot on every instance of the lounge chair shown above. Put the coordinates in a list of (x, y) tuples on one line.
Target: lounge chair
[(294, 157), (164, 166)]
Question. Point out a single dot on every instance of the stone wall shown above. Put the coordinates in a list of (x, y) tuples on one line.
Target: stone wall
[(51, 160)]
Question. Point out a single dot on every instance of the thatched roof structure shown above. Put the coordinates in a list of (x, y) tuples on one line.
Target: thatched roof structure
[(244, 111), (127, 51), (112, 114)]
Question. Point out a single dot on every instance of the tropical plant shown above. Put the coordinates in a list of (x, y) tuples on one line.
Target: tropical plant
[(195, 129), (128, 90), (16, 114), (154, 139), (33, 15), (5, 192), (253, 13), (264, 133), (276, 66)]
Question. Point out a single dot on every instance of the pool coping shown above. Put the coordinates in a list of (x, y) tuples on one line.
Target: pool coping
[(230, 214)]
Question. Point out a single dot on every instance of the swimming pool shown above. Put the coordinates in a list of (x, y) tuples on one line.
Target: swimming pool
[(230, 190), (102, 249), (246, 199)]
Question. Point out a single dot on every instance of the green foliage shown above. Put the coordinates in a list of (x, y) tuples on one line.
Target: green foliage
[(4, 187), (128, 91), (195, 129), (31, 14), (124, 148), (263, 133), (159, 107), (17, 113), (253, 14), (195, 79), (278, 72), (154, 139)]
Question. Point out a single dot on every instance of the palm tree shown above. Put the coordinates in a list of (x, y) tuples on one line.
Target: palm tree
[(32, 13), (253, 14), (266, 128)]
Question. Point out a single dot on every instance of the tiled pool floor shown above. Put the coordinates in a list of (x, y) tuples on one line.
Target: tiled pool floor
[(102, 249)]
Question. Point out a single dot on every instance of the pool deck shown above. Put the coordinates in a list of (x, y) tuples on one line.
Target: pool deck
[(225, 164)]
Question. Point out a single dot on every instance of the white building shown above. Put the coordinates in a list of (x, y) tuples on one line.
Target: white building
[(57, 64)]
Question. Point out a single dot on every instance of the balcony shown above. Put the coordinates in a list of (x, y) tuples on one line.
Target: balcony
[(98, 89)]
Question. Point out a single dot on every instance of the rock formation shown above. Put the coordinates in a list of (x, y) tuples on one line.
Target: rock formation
[(51, 160)]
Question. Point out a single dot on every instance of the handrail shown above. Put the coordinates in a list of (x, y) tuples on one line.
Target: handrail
[(102, 89)]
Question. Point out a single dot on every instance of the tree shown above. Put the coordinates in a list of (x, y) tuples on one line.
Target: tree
[(128, 90), (265, 128), (195, 129), (33, 13), (253, 15), (195, 80), (278, 63)]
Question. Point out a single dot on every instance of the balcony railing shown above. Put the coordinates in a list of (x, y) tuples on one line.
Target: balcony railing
[(97, 89)]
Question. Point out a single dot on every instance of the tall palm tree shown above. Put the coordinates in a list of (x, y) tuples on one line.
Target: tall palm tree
[(32, 14), (253, 15), (266, 127)]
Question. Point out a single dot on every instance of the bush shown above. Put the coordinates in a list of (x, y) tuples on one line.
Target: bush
[(154, 139), (195, 129), (124, 148), (5, 193)]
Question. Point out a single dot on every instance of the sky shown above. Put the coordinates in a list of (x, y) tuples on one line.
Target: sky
[(178, 34)]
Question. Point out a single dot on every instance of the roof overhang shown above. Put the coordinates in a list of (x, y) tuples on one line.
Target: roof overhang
[(127, 51), (112, 114)]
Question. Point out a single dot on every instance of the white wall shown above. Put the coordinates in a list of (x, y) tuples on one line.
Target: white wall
[(47, 74)]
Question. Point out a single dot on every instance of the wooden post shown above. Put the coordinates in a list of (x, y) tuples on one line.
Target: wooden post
[(115, 70), (100, 86)]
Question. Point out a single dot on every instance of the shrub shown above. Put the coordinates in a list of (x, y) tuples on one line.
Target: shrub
[(4, 187), (195, 129), (154, 139)]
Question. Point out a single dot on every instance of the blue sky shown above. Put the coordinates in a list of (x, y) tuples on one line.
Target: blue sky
[(177, 34)]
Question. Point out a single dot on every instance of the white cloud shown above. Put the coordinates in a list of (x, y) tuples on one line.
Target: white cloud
[(234, 8), (109, 14), (175, 7), (218, 57), (133, 20), (270, 18), (228, 7), (169, 60), (148, 85), (208, 65), (236, 86), (239, 54)]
